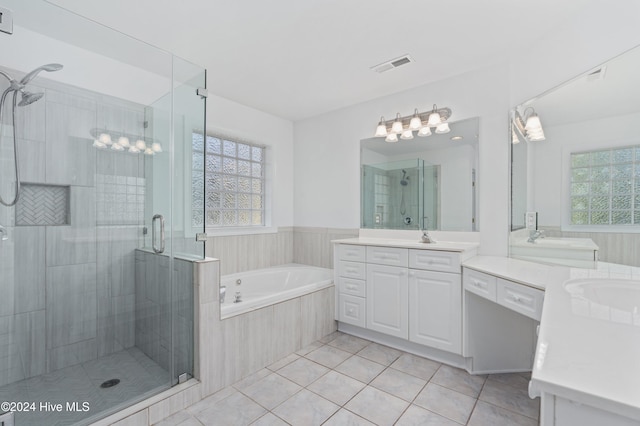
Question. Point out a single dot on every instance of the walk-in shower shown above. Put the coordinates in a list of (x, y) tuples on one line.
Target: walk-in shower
[(27, 98), (90, 316)]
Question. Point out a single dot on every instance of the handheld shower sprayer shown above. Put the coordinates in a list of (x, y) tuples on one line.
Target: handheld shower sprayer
[(27, 98)]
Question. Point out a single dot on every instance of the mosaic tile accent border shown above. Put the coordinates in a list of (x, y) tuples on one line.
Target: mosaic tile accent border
[(43, 205)]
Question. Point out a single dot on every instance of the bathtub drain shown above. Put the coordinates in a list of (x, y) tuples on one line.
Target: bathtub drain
[(109, 383)]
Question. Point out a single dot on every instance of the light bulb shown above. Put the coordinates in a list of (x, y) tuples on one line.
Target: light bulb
[(156, 147), (391, 137), (105, 139), (407, 134), (396, 127), (117, 147), (149, 151), (443, 128), (98, 144), (434, 118), (415, 122), (381, 130), (424, 131), (141, 145), (533, 122), (123, 141)]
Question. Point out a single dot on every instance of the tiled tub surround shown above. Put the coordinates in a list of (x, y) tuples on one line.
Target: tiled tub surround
[(344, 380), (305, 245), (87, 264)]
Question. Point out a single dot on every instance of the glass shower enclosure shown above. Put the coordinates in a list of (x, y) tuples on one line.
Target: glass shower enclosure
[(97, 236)]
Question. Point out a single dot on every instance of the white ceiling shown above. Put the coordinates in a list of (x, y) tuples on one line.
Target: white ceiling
[(301, 58)]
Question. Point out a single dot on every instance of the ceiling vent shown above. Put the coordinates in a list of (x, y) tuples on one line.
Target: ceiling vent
[(597, 74), (394, 63)]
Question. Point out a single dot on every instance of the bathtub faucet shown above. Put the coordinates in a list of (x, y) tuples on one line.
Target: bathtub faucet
[(238, 297), (223, 293)]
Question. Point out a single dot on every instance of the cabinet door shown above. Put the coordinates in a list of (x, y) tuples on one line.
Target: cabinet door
[(435, 310), (387, 300)]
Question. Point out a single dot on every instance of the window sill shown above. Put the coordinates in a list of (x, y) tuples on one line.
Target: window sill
[(615, 229), (252, 230)]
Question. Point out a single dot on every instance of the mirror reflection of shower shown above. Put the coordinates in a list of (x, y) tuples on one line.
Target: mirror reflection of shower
[(26, 98), (404, 181)]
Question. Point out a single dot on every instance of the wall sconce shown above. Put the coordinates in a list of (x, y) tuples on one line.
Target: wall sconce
[(104, 139), (528, 125), (418, 122)]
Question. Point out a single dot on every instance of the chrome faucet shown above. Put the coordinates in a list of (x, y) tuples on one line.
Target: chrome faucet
[(223, 293), (534, 234), (426, 238)]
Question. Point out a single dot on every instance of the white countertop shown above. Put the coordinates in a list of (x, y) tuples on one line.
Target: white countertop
[(588, 349), (410, 244)]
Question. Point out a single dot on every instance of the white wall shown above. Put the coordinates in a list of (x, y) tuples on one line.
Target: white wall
[(326, 190), (233, 119)]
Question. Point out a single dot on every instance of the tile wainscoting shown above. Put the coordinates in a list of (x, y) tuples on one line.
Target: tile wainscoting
[(312, 246), (622, 248)]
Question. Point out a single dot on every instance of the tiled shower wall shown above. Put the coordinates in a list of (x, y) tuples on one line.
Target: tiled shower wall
[(154, 301), (68, 292)]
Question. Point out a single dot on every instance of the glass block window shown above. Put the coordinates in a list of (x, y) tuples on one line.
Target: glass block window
[(605, 187), (233, 173)]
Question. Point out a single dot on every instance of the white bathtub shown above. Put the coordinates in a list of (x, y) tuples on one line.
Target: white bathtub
[(264, 287)]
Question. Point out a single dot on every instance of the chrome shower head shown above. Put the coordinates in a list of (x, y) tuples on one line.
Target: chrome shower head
[(28, 97), (48, 67)]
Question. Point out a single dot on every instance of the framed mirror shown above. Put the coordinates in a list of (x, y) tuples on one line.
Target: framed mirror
[(581, 184), (421, 183)]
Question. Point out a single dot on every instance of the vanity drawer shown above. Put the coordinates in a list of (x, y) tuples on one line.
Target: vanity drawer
[(352, 270), (352, 253), (433, 260), (479, 283), (388, 256), (352, 310), (520, 298), (352, 287)]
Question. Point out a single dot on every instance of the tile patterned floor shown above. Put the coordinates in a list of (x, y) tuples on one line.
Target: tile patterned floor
[(344, 380), (139, 376)]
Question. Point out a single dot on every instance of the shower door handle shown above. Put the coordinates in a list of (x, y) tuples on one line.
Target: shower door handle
[(153, 233), (4, 236)]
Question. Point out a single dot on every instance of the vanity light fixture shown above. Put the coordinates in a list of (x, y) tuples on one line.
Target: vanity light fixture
[(529, 125), (117, 141), (420, 122), (514, 137)]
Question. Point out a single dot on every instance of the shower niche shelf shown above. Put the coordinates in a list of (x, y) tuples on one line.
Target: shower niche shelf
[(43, 205)]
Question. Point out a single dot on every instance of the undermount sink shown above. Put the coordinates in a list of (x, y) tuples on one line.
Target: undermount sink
[(575, 251), (623, 295)]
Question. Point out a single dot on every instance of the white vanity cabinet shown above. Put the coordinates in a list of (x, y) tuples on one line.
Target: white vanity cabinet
[(413, 294), (435, 310), (387, 300)]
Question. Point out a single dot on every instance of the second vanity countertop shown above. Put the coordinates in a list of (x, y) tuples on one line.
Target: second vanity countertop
[(588, 347)]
